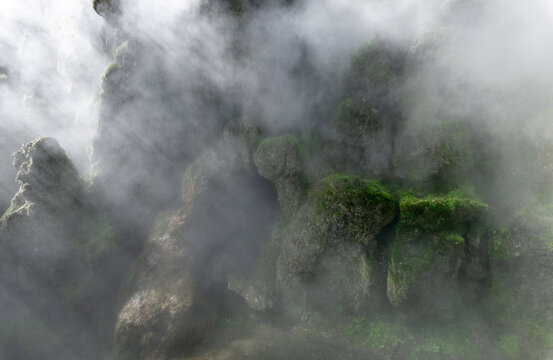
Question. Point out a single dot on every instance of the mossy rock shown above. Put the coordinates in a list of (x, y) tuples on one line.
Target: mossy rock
[(355, 118), (355, 205), (330, 242), (439, 212), (372, 63), (435, 237), (423, 261), (280, 160), (373, 71)]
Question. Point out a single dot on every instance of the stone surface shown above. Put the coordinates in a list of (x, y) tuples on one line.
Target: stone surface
[(280, 161), (328, 250)]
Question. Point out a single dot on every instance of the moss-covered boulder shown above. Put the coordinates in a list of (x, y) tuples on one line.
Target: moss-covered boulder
[(280, 161), (432, 213), (164, 311), (328, 251), (437, 237)]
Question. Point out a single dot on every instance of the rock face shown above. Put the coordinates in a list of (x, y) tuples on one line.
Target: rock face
[(328, 250), (33, 227), (429, 252), (521, 264), (363, 128), (184, 265), (53, 253)]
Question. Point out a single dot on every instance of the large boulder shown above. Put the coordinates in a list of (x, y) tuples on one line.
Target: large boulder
[(178, 283), (329, 248), (164, 311)]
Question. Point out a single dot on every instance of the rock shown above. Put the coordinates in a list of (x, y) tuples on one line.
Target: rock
[(258, 287), (55, 253), (180, 278), (424, 268), (436, 147), (147, 136), (363, 129), (108, 9), (36, 229), (279, 160), (429, 252), (362, 140), (328, 250), (165, 309)]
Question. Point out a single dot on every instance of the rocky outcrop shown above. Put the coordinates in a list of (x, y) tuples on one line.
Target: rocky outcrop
[(167, 308), (521, 258), (280, 161), (33, 228), (179, 280), (55, 256), (430, 250), (328, 250)]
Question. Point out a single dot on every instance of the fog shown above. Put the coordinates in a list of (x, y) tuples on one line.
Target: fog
[(145, 94)]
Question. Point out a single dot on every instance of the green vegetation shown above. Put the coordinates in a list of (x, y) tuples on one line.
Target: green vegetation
[(386, 338), (110, 70), (288, 140), (371, 63), (438, 212), (358, 203), (509, 346), (355, 116), (121, 50)]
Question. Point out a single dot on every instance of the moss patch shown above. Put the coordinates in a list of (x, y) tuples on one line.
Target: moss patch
[(438, 212), (354, 202)]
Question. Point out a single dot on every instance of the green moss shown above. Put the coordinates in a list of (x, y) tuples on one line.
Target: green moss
[(499, 303), (288, 139), (354, 116), (447, 342), (408, 262), (112, 68), (509, 346), (437, 212), (498, 245), (372, 64), (350, 189), (353, 201), (122, 49)]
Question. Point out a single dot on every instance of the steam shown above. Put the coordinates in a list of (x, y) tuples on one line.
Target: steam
[(282, 65)]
